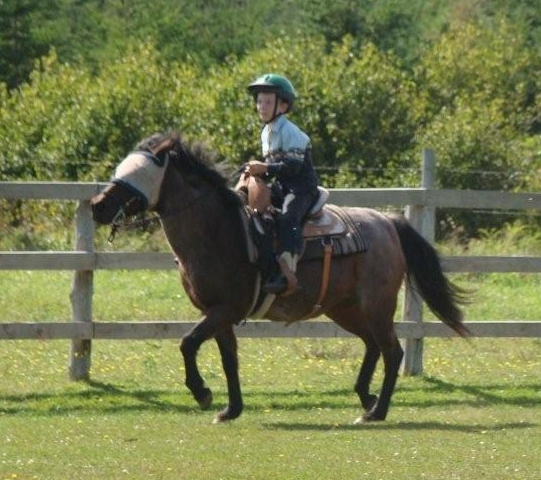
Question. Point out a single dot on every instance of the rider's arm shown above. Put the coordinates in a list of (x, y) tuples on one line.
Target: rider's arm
[(290, 153)]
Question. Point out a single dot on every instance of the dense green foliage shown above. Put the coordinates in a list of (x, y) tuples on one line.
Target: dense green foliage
[(378, 81)]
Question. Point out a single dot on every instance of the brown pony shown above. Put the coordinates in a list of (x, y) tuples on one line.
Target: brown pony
[(202, 219)]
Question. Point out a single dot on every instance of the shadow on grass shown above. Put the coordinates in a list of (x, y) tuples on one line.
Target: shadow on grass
[(428, 392), (402, 426), (101, 398), (474, 395)]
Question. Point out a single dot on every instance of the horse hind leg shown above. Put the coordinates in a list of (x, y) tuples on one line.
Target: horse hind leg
[(392, 353), (352, 319), (366, 373), (377, 332), (379, 306)]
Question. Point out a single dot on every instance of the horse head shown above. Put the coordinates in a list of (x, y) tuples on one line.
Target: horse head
[(136, 184), (139, 179), (135, 187)]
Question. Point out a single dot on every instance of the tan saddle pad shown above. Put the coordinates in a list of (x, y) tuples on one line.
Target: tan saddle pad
[(334, 226)]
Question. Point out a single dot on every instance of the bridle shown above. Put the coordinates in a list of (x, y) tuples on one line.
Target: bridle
[(119, 220)]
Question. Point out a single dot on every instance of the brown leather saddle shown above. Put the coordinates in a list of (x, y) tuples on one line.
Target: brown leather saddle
[(328, 231), (320, 222)]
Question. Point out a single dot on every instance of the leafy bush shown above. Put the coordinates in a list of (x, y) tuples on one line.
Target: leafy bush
[(472, 98)]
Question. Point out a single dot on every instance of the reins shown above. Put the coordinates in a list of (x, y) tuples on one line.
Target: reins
[(119, 221)]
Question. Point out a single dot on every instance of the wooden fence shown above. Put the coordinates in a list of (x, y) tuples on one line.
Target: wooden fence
[(419, 203)]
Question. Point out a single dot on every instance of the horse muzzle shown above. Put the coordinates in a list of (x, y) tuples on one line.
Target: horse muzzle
[(103, 210), (114, 202)]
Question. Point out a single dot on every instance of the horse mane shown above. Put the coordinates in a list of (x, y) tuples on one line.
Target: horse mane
[(192, 158)]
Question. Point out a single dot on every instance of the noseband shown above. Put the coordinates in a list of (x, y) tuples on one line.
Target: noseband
[(119, 220)]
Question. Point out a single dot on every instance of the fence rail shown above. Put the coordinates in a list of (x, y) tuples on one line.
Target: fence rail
[(419, 203), (399, 197), (80, 260), (251, 329)]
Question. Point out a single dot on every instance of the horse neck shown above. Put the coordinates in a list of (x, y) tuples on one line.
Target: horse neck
[(197, 222)]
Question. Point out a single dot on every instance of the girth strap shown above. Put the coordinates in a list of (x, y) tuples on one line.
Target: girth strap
[(325, 274)]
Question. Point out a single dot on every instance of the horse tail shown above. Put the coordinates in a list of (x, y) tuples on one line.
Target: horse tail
[(423, 265)]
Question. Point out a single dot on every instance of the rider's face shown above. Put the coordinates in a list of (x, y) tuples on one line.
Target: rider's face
[(266, 102)]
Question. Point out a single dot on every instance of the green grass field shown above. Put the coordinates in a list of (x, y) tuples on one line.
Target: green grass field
[(474, 414)]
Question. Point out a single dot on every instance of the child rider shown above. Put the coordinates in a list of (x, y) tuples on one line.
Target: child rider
[(287, 154)]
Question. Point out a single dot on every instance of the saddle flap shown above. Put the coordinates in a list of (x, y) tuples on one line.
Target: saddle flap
[(325, 224)]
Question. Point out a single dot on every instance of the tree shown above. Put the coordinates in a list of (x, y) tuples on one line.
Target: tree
[(481, 80), (18, 47)]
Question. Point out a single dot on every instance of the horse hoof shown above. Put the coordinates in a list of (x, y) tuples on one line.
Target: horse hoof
[(358, 421), (370, 402), (368, 417), (205, 400), (220, 418), (226, 415), (217, 419)]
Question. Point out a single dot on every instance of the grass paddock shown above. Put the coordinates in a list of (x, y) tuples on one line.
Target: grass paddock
[(474, 414)]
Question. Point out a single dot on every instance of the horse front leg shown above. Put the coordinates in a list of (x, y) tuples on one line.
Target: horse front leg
[(227, 343), (189, 346), (213, 325)]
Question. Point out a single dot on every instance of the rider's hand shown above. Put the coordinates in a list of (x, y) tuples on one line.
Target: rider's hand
[(256, 168)]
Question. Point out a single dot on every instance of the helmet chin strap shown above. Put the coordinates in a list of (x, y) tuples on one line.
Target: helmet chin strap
[(275, 115)]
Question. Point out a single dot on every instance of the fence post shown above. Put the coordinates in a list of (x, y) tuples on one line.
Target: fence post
[(423, 219), (428, 180), (81, 294)]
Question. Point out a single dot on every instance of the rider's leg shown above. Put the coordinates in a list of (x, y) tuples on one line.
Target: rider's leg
[(290, 241)]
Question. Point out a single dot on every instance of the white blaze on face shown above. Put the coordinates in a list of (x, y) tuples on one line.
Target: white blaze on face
[(142, 174)]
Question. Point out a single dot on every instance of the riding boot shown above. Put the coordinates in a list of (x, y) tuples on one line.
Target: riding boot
[(286, 281)]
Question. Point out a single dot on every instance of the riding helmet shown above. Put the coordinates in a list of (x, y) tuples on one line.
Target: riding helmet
[(274, 83)]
